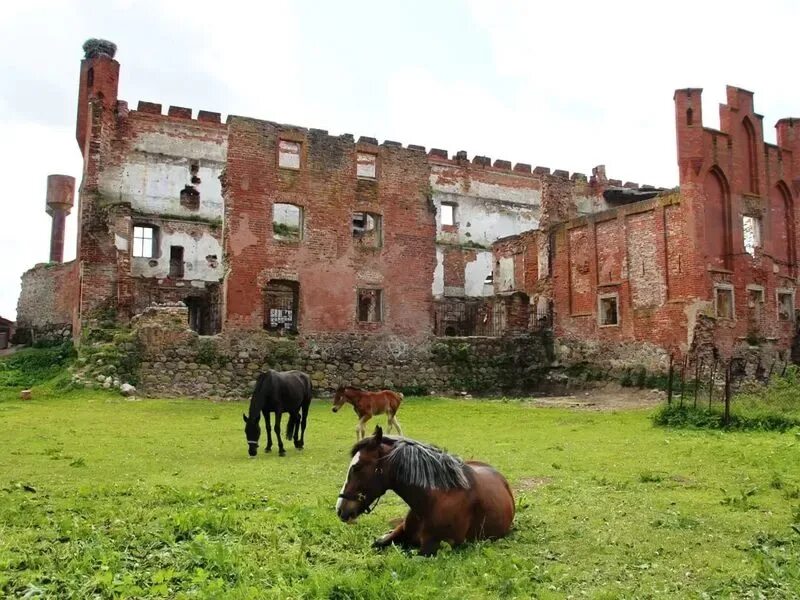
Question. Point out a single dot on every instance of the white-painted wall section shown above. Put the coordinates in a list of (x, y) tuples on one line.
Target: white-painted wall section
[(505, 270), (484, 212), (438, 275), (197, 264), (475, 274)]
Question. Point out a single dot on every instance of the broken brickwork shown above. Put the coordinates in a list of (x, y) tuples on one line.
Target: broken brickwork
[(708, 269), (344, 284), (48, 304), (276, 230)]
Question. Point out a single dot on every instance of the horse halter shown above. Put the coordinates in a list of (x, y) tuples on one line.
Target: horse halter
[(360, 497)]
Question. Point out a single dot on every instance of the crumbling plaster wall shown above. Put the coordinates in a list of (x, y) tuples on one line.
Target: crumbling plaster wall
[(475, 273), (202, 253), (488, 205), (483, 220), (154, 157), (154, 166)]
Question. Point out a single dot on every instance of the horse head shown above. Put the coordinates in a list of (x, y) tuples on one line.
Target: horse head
[(339, 398), (252, 432), (366, 480)]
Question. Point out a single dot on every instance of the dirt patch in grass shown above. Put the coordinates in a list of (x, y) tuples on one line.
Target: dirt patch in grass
[(527, 484), (611, 397)]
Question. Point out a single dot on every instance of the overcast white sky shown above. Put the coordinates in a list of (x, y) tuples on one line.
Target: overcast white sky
[(568, 85)]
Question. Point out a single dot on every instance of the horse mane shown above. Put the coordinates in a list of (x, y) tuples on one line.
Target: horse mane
[(349, 387), (422, 465)]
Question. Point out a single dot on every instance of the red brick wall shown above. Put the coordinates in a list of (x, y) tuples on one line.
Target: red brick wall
[(725, 175), (623, 252), (671, 252), (327, 263)]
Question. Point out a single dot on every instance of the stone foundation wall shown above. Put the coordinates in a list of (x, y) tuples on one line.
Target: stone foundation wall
[(177, 362)]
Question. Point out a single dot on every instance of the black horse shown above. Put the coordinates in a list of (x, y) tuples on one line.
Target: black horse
[(278, 392)]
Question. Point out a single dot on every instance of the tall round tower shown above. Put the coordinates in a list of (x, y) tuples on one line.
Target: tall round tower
[(60, 199)]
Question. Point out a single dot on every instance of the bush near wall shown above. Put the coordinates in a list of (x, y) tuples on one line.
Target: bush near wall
[(33, 366)]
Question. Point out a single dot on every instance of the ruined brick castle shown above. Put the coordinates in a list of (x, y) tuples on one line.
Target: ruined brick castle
[(263, 227)]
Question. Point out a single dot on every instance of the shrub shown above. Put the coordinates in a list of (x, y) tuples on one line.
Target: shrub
[(690, 417), (33, 366)]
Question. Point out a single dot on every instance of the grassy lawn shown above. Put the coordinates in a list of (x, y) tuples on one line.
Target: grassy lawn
[(104, 497)]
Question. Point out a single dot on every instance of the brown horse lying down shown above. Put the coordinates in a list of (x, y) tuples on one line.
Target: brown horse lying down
[(368, 404), (450, 500)]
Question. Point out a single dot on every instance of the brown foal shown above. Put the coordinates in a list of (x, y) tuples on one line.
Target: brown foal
[(368, 404)]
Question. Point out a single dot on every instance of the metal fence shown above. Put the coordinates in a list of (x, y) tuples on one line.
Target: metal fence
[(483, 318), (733, 386)]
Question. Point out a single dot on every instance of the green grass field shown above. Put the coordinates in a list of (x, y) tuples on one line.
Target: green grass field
[(104, 497)]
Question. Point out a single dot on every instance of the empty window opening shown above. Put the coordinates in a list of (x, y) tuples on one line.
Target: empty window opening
[(190, 198), (723, 302), (367, 229), (144, 241), (786, 305), (365, 165), (287, 222), (369, 306), (448, 214), (90, 77), (176, 262), (199, 317), (288, 154), (281, 300), (751, 227), (755, 297), (608, 307), (689, 116)]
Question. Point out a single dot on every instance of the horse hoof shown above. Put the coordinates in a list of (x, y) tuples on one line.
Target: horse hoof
[(282, 453), (267, 450)]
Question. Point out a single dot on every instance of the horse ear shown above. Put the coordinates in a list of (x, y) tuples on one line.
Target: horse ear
[(378, 435), (244, 417)]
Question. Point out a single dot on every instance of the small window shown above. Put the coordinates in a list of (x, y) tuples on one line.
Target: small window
[(608, 307), (786, 305), (288, 154), (90, 77), (176, 262), (365, 165), (755, 296), (367, 229), (369, 306), (751, 227), (144, 241), (723, 302), (287, 222), (448, 214), (280, 306)]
